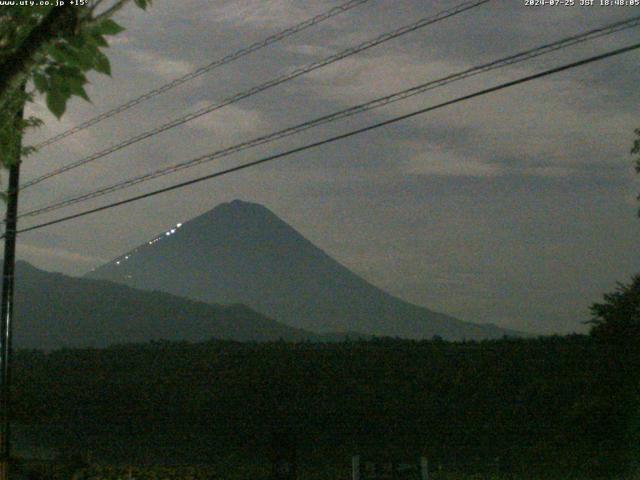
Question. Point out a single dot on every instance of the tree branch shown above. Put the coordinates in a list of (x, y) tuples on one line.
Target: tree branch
[(95, 4), (111, 10)]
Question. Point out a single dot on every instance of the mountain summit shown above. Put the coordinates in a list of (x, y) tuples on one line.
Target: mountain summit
[(241, 252)]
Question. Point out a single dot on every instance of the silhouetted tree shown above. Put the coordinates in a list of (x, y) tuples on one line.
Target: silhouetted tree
[(619, 315)]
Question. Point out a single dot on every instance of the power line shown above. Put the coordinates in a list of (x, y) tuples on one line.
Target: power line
[(423, 22), (379, 102), (207, 68), (337, 137)]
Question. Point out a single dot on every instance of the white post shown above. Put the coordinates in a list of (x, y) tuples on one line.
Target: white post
[(424, 468), (355, 467)]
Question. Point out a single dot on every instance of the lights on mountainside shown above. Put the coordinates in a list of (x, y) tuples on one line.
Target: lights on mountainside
[(168, 233), (173, 230), (157, 239)]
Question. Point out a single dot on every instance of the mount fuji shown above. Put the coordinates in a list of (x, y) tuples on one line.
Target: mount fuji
[(242, 253)]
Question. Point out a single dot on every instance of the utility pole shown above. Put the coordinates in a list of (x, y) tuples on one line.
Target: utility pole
[(6, 310)]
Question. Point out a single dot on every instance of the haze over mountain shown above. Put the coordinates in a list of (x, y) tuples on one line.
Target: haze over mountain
[(241, 252), (55, 310)]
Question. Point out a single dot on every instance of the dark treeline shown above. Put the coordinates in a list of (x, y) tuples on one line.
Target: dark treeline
[(555, 405)]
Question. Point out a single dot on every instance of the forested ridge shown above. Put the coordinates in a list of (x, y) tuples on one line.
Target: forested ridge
[(554, 405)]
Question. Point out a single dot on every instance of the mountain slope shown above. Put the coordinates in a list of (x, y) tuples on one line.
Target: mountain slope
[(55, 310), (241, 252)]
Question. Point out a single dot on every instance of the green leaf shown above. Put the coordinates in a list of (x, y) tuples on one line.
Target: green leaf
[(77, 42), (71, 72), (102, 64), (81, 92), (59, 84), (87, 57), (69, 55), (26, 151), (96, 39), (109, 27), (141, 3), (33, 122), (76, 87), (57, 102), (57, 53), (40, 81)]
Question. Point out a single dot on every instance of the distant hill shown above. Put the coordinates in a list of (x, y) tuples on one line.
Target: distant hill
[(241, 252), (55, 310)]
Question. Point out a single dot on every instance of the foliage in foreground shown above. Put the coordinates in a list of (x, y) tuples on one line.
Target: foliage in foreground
[(552, 406), (49, 49), (246, 469)]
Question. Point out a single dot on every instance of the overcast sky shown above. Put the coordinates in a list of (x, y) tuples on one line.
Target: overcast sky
[(515, 208)]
